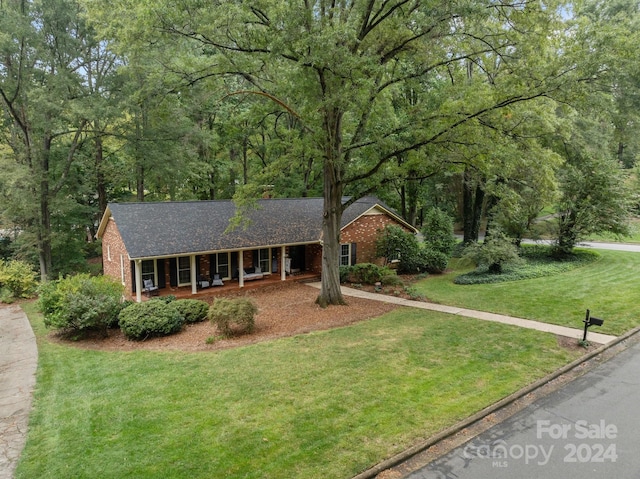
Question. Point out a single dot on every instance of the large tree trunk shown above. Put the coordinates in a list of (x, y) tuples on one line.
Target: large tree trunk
[(44, 230), (140, 183), (330, 292), (472, 200), (100, 180)]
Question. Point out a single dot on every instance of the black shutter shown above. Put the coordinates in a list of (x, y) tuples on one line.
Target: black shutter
[(173, 272), (133, 276), (162, 280), (353, 254), (234, 265)]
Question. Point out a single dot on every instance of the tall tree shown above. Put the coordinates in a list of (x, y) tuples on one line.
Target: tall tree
[(337, 68), (41, 88)]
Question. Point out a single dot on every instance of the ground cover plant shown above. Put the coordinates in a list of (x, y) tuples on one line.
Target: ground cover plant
[(325, 404), (608, 287), (536, 263)]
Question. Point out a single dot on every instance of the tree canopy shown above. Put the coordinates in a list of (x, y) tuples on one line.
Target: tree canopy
[(411, 100)]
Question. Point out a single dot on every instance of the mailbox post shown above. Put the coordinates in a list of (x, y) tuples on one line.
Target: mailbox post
[(590, 321)]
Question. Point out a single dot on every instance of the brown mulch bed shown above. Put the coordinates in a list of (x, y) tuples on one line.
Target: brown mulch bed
[(283, 310)]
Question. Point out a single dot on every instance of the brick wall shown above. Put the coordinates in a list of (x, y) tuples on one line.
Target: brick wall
[(313, 258), (364, 232), (115, 259)]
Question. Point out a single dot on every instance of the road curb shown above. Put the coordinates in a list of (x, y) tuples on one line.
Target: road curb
[(424, 445)]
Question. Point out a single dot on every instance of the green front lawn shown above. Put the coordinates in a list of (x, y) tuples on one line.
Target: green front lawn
[(326, 404), (609, 287)]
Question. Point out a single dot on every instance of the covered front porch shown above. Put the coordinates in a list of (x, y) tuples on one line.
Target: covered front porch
[(222, 272), (233, 287)]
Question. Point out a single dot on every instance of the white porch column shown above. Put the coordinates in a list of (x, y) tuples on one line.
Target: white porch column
[(194, 284), (138, 279), (283, 273), (241, 269)]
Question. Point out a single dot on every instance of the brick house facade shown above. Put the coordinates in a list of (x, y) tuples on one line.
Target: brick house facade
[(175, 244)]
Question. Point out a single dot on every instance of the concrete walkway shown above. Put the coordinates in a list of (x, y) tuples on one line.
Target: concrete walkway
[(18, 362), (496, 318)]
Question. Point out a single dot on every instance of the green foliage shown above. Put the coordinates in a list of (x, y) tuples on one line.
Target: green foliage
[(432, 260), (6, 247), (17, 279), (437, 230), (395, 244), (79, 303), (539, 262), (140, 321), (169, 298), (233, 316), (368, 273), (494, 253), (390, 278), (344, 273), (192, 310)]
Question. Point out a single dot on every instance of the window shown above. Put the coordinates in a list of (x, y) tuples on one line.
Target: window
[(345, 255), (149, 270), (222, 265), (184, 270), (264, 260)]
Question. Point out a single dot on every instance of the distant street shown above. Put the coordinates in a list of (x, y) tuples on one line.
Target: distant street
[(587, 429), (612, 246), (635, 248)]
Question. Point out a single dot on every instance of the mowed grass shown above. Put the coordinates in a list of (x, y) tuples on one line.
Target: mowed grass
[(608, 287), (326, 404)]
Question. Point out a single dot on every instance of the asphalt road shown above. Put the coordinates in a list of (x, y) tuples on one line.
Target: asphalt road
[(587, 429)]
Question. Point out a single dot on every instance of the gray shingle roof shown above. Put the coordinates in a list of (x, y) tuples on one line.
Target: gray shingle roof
[(174, 228)]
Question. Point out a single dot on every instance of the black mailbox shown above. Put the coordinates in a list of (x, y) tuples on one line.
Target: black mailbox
[(590, 321), (595, 321)]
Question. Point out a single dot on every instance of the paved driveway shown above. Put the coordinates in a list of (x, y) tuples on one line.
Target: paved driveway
[(18, 363)]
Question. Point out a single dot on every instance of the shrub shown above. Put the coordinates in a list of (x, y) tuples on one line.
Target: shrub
[(344, 273), (17, 279), (395, 243), (494, 253), (366, 273), (192, 310), (81, 302), (170, 298), (432, 260), (152, 318), (438, 231), (233, 316), (390, 278)]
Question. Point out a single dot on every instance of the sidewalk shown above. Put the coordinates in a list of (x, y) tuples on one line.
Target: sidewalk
[(18, 362), (496, 318)]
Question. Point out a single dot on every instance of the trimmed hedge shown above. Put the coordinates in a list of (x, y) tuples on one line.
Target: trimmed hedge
[(233, 316), (140, 321), (192, 310)]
